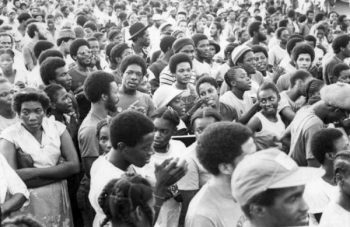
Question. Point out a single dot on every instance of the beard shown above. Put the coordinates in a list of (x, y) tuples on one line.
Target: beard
[(110, 105)]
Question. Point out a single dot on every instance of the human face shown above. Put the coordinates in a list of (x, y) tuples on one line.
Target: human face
[(213, 30), (334, 114), (32, 114), (261, 61), (268, 101), (168, 30), (182, 26), (199, 27), (94, 47), (344, 76), (84, 56), (341, 144), (212, 51), (262, 33), (113, 98), (333, 17), (242, 80), (145, 39), (5, 42), (284, 36), (183, 73), (141, 153), (209, 94), (132, 77), (63, 102), (103, 140), (188, 50), (303, 61), (6, 94), (133, 19), (203, 48), (163, 130), (346, 50), (178, 105), (180, 17), (118, 38), (63, 78), (6, 62), (244, 37), (249, 59), (289, 208), (202, 123)]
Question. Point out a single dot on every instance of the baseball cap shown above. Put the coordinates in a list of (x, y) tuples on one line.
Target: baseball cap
[(268, 169)]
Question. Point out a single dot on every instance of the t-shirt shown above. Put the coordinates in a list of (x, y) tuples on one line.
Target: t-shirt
[(157, 67), (270, 132), (335, 216), (78, 77), (276, 55), (200, 68), (304, 125), (167, 78), (240, 105), (170, 211), (188, 96), (318, 193), (283, 82), (143, 100), (285, 101), (196, 175), (214, 206), (88, 143), (102, 172)]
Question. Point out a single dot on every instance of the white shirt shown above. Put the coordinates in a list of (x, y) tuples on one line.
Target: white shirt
[(241, 106), (10, 182), (335, 216), (102, 172), (170, 211)]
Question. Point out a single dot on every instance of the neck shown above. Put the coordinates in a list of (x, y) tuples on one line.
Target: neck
[(128, 91), (341, 56), (167, 56), (180, 86), (283, 45), (255, 40), (9, 72), (61, 49), (98, 108), (237, 93), (199, 58), (116, 158), (344, 201), (7, 113), (329, 176), (162, 149), (293, 95), (261, 223), (137, 48), (82, 68)]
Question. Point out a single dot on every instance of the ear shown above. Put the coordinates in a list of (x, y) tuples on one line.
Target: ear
[(121, 146), (139, 215), (53, 105), (226, 168), (339, 179), (104, 97)]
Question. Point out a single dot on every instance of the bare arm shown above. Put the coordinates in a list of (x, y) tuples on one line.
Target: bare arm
[(246, 117), (287, 114), (186, 199), (12, 204), (254, 124)]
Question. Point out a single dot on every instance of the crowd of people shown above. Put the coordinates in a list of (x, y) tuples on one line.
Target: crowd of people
[(200, 113)]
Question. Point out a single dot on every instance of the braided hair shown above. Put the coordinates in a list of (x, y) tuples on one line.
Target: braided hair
[(122, 196)]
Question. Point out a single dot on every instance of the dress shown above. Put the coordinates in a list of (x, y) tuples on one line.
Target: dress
[(50, 203)]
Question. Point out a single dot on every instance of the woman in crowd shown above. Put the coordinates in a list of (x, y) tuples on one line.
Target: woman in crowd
[(43, 155), (8, 71), (267, 123), (128, 202)]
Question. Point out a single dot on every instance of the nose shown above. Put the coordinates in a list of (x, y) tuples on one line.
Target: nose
[(32, 117), (303, 206), (109, 145)]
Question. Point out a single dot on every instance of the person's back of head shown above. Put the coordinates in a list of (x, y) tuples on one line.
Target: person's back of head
[(342, 171), (292, 42), (299, 75), (215, 146), (122, 198), (339, 44), (48, 69), (253, 27), (41, 46), (323, 144), (338, 70), (166, 43), (97, 84)]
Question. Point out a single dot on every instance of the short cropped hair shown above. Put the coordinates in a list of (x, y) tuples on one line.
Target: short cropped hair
[(339, 42), (258, 49), (268, 86), (231, 74), (322, 142), (253, 27), (41, 46), (96, 84), (129, 127), (205, 112), (48, 68), (167, 113), (338, 68), (299, 75), (49, 53), (51, 91), (216, 146)]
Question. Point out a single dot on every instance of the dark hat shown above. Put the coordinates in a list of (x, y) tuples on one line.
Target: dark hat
[(217, 46), (137, 29), (180, 43)]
